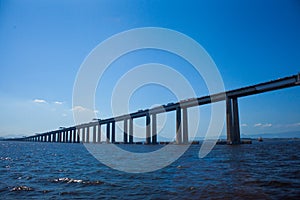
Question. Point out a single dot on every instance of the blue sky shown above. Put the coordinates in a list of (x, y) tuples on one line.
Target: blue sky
[(43, 43)]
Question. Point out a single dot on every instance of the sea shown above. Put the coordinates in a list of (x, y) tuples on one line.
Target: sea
[(261, 170)]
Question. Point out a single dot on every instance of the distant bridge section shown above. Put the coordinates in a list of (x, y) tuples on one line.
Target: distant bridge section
[(82, 132)]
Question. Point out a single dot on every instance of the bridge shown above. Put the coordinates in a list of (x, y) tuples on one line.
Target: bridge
[(81, 133)]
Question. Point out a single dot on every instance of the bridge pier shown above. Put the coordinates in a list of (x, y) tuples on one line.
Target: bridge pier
[(87, 134), (99, 133), (178, 126), (108, 132), (154, 129), (113, 132), (83, 135), (125, 133), (185, 138), (232, 121), (94, 133), (130, 130), (148, 121), (74, 135), (65, 136)]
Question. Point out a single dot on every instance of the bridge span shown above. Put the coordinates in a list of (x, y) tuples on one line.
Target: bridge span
[(81, 133)]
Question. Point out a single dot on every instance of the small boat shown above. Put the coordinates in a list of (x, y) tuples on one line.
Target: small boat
[(260, 139)]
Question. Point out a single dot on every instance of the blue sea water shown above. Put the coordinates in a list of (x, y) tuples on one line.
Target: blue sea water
[(262, 170)]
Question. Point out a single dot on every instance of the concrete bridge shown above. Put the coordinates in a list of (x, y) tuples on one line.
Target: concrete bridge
[(82, 133)]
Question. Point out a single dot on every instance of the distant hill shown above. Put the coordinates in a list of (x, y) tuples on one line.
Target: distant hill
[(294, 134)]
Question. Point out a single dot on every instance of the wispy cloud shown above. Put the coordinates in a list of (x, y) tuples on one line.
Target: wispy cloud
[(263, 125), (257, 125), (58, 102), (83, 109), (79, 109), (39, 101), (244, 125), (293, 125), (267, 125)]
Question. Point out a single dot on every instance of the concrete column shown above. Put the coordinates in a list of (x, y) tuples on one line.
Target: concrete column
[(59, 136), (70, 135), (65, 136), (99, 133), (113, 132), (83, 135), (87, 134), (185, 138), (154, 129), (78, 135), (178, 126), (49, 137), (107, 132), (236, 122), (125, 135), (74, 135), (229, 123), (94, 133), (130, 130), (63, 139), (148, 129), (232, 121)]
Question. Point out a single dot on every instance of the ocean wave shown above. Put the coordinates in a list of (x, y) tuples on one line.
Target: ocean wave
[(22, 188), (71, 180)]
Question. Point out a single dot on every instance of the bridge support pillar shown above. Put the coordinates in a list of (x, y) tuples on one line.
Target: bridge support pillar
[(154, 129), (87, 134), (94, 133), (148, 129), (125, 135), (74, 135), (64, 136), (99, 133), (185, 138), (59, 136), (70, 138), (83, 135), (78, 135), (232, 121), (108, 132), (113, 132), (178, 126), (130, 130)]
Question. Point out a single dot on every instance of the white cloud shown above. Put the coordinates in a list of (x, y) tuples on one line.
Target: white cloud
[(263, 125), (244, 125), (267, 125), (58, 102), (39, 101), (258, 124), (293, 125), (79, 109), (82, 109)]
